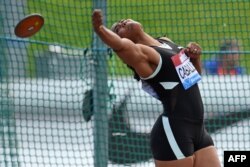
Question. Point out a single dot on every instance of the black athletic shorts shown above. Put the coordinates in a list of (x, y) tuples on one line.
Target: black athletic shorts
[(173, 139)]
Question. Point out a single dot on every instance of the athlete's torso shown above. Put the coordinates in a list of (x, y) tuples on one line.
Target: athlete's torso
[(166, 85)]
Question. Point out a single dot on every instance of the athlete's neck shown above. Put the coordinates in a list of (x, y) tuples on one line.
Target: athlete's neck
[(146, 39)]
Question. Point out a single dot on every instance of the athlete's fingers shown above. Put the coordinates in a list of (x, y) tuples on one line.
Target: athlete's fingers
[(193, 50), (193, 46)]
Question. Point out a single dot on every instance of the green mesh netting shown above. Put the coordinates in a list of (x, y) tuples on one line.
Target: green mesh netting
[(66, 100)]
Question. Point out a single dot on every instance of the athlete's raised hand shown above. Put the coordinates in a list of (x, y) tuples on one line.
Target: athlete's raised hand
[(97, 19)]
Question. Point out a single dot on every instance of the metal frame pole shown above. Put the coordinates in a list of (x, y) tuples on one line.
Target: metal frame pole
[(100, 95)]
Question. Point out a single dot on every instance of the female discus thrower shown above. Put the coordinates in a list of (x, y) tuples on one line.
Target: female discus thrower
[(170, 73)]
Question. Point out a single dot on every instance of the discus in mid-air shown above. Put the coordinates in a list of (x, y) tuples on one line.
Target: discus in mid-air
[(29, 25)]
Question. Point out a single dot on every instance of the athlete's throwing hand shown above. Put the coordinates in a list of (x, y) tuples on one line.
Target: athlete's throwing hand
[(97, 19)]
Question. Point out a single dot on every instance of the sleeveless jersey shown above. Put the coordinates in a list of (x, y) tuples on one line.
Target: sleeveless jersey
[(166, 85)]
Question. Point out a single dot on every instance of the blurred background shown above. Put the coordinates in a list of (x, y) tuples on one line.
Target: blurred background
[(67, 100)]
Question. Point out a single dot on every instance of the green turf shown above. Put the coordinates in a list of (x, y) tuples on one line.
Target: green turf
[(207, 22)]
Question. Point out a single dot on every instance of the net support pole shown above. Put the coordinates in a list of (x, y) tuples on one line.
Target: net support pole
[(8, 140), (100, 95)]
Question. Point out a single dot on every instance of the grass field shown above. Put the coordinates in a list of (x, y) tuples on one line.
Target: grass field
[(207, 22)]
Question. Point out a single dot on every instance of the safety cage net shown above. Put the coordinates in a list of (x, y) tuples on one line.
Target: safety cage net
[(66, 99)]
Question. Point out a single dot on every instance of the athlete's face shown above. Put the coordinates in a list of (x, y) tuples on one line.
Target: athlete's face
[(126, 28)]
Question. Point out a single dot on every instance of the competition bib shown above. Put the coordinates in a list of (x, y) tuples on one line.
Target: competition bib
[(185, 70)]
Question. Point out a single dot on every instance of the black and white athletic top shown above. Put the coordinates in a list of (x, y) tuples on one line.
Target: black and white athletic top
[(174, 83)]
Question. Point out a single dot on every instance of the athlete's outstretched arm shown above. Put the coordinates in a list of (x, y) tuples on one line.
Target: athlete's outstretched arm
[(127, 50), (135, 55)]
